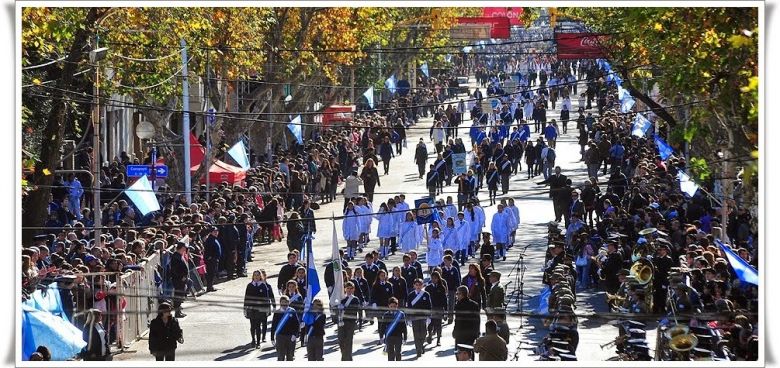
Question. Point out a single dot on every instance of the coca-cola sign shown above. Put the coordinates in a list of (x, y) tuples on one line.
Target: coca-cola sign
[(512, 13), (579, 45)]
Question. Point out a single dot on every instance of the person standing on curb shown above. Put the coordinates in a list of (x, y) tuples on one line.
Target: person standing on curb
[(164, 333)]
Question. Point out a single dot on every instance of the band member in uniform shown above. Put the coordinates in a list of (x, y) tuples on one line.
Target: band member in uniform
[(419, 303), (348, 311), (437, 288), (258, 302), (497, 294), (392, 329), (663, 264), (491, 347), (611, 266), (286, 327), (315, 332)]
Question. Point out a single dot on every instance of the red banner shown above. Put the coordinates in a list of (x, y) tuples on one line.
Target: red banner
[(512, 13), (499, 26), (579, 45)]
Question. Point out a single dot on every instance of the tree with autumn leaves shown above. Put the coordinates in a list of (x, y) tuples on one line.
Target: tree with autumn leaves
[(311, 50), (704, 62)]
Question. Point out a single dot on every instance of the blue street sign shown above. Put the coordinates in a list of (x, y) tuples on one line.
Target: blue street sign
[(137, 171), (161, 170), (211, 116)]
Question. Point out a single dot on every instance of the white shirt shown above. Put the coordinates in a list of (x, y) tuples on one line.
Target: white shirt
[(566, 104)]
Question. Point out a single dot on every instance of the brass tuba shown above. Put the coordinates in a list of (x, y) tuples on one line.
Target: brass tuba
[(683, 343), (676, 330), (642, 270)]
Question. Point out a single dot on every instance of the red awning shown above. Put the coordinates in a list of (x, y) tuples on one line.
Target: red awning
[(221, 171)]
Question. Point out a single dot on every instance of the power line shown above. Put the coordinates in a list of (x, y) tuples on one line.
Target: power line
[(321, 113)]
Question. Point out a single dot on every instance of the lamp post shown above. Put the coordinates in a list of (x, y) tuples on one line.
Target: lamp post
[(95, 56)]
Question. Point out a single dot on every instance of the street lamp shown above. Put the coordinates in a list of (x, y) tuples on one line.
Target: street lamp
[(95, 56)]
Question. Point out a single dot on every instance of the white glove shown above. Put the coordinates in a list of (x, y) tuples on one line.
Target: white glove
[(373, 305), (303, 324), (293, 338)]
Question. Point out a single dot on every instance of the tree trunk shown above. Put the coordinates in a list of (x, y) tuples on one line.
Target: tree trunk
[(37, 200)]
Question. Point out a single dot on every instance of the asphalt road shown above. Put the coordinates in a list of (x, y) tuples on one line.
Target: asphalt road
[(215, 329)]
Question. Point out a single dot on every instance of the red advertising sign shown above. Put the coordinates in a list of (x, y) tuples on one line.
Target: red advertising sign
[(512, 13), (579, 45), (499, 26)]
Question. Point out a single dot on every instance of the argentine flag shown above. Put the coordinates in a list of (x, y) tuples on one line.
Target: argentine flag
[(641, 126), (312, 280), (238, 153), (745, 272), (142, 195), (664, 149), (295, 129), (687, 185)]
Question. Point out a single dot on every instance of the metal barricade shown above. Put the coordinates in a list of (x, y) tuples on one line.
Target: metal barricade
[(141, 295)]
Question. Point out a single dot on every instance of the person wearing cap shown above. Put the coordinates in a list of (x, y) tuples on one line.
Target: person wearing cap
[(491, 347), (663, 264), (611, 266), (164, 333), (496, 294), (464, 352)]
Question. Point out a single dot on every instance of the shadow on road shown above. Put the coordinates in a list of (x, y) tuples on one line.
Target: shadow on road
[(235, 352)]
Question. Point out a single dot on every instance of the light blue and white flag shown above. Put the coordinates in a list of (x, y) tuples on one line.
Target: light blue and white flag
[(424, 69), (40, 328), (745, 272), (142, 195), (664, 149), (338, 277), (627, 104), (390, 83), (369, 94), (448, 58), (641, 126), (238, 153), (312, 280), (295, 129), (687, 185), (623, 94)]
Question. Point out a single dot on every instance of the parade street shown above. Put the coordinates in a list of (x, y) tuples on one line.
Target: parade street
[(219, 315), (432, 185)]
